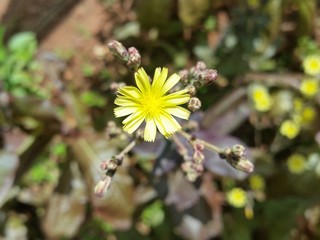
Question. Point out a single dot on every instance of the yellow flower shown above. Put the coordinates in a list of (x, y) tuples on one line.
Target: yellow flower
[(237, 197), (149, 102), (311, 65), (296, 163), (298, 104), (309, 87), (248, 212), (257, 182), (290, 129), (308, 114), (261, 98)]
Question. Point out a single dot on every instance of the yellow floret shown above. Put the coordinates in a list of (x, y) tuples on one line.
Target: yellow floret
[(308, 115), (257, 182), (298, 104), (296, 163), (290, 129), (237, 197), (261, 98), (309, 87), (311, 65)]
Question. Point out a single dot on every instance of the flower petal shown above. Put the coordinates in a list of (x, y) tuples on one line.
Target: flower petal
[(176, 98), (156, 75), (150, 131), (159, 79), (161, 127), (126, 101), (131, 117), (171, 125), (142, 80), (130, 91), (179, 112), (132, 122), (124, 111), (170, 83)]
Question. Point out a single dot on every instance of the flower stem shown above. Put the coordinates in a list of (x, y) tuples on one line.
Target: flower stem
[(209, 146), (126, 149)]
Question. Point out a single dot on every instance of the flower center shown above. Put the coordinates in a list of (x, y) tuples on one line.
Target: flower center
[(151, 104), (314, 64)]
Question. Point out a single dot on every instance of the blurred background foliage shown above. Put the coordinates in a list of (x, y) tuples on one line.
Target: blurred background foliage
[(57, 82)]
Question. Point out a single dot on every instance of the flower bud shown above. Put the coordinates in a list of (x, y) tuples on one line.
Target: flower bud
[(134, 58), (184, 74), (238, 150), (118, 51), (191, 89), (244, 165), (113, 163), (197, 167), (198, 157), (104, 165), (201, 65), (192, 170), (236, 159), (102, 186), (194, 72), (207, 76), (194, 104), (112, 130), (198, 145), (192, 176)]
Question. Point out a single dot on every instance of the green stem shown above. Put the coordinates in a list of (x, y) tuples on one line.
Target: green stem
[(209, 146), (127, 149)]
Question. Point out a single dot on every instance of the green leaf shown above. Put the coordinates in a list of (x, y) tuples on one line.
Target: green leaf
[(210, 23), (153, 215), (93, 99), (23, 46), (59, 149)]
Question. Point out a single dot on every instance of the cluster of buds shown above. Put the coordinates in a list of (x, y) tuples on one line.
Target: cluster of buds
[(109, 167), (194, 167), (112, 130), (131, 56), (235, 156), (192, 170), (199, 75)]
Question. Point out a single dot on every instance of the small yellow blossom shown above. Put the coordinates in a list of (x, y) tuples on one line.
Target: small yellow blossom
[(257, 182), (311, 65), (298, 104), (237, 197), (290, 129), (150, 102), (309, 87), (248, 212), (308, 115), (261, 98), (296, 163)]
